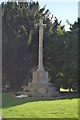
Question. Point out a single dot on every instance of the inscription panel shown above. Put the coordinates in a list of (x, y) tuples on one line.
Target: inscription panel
[(42, 90)]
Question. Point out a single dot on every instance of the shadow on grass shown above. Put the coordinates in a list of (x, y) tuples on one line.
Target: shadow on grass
[(40, 119), (9, 100)]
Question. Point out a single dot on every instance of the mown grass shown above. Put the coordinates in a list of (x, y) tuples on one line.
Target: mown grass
[(38, 108)]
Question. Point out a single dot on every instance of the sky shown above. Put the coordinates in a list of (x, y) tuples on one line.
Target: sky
[(62, 9)]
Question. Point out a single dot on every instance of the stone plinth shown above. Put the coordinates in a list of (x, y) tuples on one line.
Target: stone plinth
[(40, 86), (40, 77), (40, 81)]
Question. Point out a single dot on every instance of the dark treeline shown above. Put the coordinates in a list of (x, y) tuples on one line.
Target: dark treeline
[(20, 46)]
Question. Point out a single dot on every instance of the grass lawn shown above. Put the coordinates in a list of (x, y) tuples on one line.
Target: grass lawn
[(33, 108)]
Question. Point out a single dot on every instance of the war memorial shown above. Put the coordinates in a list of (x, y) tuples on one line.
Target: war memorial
[(40, 86)]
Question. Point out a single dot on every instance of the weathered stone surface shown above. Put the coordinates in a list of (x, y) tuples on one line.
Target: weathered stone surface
[(40, 77), (40, 86)]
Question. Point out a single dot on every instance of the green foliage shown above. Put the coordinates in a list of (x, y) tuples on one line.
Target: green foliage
[(70, 67), (20, 41), (20, 46), (60, 31), (61, 58), (30, 37), (18, 28)]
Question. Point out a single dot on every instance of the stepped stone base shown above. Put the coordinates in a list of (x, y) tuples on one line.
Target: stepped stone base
[(40, 86)]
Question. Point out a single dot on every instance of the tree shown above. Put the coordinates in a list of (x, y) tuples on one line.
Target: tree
[(20, 41), (70, 67), (18, 28), (20, 46)]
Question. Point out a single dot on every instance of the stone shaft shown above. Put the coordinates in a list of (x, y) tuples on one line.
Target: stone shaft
[(40, 59)]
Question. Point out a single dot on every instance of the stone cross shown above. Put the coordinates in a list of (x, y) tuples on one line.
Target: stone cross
[(40, 59)]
